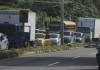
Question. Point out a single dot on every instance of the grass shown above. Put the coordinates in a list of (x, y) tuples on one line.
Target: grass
[(5, 54)]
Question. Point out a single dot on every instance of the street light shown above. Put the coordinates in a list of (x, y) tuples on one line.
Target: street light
[(62, 24)]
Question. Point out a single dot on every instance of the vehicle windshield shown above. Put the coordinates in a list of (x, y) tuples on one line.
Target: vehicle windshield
[(8, 29), (53, 36), (39, 36), (67, 33), (83, 29), (77, 34)]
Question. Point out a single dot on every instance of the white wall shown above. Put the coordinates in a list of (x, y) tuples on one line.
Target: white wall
[(31, 23), (97, 28)]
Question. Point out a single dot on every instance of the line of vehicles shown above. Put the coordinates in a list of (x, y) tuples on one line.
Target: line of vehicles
[(19, 28), (84, 30), (55, 38)]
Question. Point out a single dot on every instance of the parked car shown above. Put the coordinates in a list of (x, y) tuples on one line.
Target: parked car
[(98, 54), (3, 42), (39, 35), (79, 37), (68, 37), (55, 38), (41, 41)]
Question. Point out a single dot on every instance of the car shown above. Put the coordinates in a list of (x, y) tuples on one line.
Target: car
[(79, 37), (3, 42), (41, 41), (39, 35), (55, 38), (98, 54), (68, 37)]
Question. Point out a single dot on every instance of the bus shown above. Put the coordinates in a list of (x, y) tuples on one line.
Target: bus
[(56, 26)]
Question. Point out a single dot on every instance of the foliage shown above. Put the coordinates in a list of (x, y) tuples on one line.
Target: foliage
[(5, 54), (48, 10)]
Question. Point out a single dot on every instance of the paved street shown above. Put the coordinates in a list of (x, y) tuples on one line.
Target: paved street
[(76, 59)]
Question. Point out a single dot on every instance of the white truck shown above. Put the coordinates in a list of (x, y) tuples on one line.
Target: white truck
[(68, 37), (90, 27), (19, 26)]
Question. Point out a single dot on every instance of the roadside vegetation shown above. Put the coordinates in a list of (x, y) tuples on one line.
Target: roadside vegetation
[(50, 9), (46, 12), (5, 54)]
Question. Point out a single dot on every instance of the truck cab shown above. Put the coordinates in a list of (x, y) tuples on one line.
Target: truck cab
[(15, 37), (68, 37), (79, 36), (88, 32)]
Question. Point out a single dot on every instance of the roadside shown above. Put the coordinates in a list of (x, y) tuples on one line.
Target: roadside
[(5, 54)]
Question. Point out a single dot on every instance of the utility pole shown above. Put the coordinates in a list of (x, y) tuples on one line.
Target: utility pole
[(62, 24)]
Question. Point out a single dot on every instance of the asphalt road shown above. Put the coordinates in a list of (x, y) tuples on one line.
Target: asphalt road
[(76, 59)]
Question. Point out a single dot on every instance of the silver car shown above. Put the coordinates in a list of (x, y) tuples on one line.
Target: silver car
[(55, 38), (3, 42)]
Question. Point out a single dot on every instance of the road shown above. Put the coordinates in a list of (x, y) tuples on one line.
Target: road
[(75, 59)]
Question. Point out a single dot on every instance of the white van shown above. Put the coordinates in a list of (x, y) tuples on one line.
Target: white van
[(3, 42)]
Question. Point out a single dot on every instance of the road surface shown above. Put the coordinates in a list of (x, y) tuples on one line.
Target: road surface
[(76, 59)]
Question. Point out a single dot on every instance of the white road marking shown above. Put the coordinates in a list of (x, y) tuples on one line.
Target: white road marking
[(76, 57), (53, 64), (92, 53)]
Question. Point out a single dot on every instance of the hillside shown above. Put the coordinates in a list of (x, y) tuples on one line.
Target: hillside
[(48, 10)]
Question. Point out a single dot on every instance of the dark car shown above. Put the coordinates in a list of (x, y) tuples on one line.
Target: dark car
[(98, 54)]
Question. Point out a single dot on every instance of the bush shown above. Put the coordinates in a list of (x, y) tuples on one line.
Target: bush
[(4, 54)]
